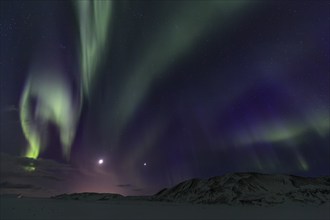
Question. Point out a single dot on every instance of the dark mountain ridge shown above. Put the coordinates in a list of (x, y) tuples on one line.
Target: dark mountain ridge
[(234, 189), (250, 188)]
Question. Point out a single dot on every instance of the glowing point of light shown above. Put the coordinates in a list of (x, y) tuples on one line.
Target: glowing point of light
[(100, 161), (29, 168), (145, 164)]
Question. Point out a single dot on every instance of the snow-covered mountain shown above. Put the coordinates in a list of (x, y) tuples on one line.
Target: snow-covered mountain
[(233, 189), (250, 188)]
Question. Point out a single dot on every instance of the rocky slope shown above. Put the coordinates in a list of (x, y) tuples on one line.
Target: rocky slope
[(250, 188)]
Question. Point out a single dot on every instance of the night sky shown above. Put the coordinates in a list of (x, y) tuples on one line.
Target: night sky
[(164, 91)]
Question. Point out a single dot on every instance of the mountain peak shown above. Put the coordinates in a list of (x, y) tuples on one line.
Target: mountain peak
[(250, 188)]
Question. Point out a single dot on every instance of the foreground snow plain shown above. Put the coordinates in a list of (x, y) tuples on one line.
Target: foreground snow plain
[(46, 208)]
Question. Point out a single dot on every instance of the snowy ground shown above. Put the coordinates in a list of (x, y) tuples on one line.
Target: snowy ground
[(44, 208)]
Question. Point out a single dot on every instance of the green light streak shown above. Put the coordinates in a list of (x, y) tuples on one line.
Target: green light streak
[(94, 20), (53, 104), (29, 131), (53, 93), (274, 132), (302, 163), (186, 27)]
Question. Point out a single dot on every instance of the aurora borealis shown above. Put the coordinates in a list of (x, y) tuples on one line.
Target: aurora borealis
[(94, 18), (162, 91), (53, 103)]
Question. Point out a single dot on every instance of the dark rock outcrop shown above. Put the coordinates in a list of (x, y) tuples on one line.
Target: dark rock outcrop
[(249, 188)]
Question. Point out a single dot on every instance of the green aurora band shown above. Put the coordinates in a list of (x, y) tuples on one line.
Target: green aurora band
[(178, 38), (276, 131), (53, 94), (94, 20), (54, 104), (174, 40)]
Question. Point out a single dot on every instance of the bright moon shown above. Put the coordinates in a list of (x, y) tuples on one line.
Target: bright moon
[(145, 164), (100, 161)]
